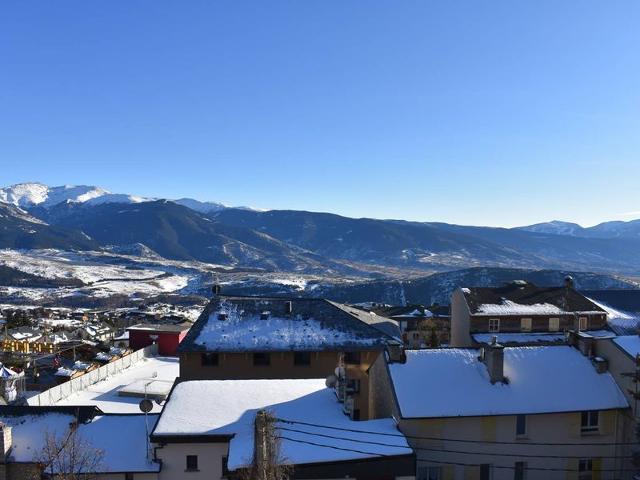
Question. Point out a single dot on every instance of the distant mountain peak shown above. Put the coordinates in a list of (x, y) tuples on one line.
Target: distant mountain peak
[(36, 194), (555, 227)]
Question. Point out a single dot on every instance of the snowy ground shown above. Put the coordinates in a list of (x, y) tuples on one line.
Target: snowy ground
[(106, 273), (102, 274)]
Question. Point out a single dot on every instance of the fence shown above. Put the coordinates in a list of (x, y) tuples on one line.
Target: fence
[(64, 390)]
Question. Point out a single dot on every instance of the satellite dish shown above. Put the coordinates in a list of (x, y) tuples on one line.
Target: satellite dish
[(146, 405), (331, 380)]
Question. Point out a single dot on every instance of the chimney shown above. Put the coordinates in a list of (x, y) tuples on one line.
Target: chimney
[(5, 445), (585, 344), (601, 364), (568, 282), (493, 358), (396, 353)]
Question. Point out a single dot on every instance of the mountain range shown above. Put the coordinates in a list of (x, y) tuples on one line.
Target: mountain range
[(88, 218)]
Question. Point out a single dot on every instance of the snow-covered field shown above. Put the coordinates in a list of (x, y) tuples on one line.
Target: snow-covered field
[(101, 276), (107, 273)]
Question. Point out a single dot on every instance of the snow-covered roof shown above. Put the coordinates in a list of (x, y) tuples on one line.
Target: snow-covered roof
[(507, 307), (228, 407), (544, 379), (532, 338), (629, 343), (524, 338), (240, 326), (104, 394), (621, 322), (120, 437), (523, 298)]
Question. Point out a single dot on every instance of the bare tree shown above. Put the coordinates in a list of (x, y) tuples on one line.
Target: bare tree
[(68, 456)]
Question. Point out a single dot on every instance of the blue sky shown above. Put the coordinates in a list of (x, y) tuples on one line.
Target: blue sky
[(495, 113)]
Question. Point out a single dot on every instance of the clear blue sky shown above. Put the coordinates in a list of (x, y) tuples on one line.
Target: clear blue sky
[(496, 113)]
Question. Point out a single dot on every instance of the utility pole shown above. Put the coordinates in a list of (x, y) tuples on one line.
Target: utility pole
[(261, 453)]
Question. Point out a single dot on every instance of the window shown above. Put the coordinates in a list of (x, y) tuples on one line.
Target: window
[(519, 471), (353, 386), (128, 476), (192, 463), (494, 324), (525, 324), (416, 336), (352, 358), (302, 359), (485, 471), (584, 323), (261, 359), (209, 359), (554, 324), (585, 469), (521, 425), (589, 421), (429, 473)]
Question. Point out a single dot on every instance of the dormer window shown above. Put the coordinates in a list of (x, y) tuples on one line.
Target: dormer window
[(223, 316), (264, 315)]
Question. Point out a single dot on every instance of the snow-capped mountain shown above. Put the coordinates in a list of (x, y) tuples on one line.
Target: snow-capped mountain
[(29, 195), (614, 229), (555, 227), (202, 207), (40, 196)]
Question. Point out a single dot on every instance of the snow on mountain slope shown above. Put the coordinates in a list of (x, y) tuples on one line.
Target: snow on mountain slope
[(26, 195), (555, 227), (198, 206), (209, 207)]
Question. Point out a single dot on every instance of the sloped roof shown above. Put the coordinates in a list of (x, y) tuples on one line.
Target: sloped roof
[(227, 409), (546, 379), (312, 325), (121, 438), (523, 298)]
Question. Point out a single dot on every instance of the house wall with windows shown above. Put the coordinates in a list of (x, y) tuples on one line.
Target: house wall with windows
[(259, 365), (210, 460), (441, 459)]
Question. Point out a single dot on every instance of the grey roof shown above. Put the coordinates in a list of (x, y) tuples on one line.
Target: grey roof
[(312, 325), (525, 293)]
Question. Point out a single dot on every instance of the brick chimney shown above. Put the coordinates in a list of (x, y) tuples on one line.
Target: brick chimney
[(493, 358)]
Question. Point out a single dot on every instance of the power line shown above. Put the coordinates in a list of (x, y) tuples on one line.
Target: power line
[(444, 439), (334, 447), (280, 437), (463, 452)]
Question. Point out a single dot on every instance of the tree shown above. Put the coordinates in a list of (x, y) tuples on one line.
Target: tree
[(68, 456), (434, 342)]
